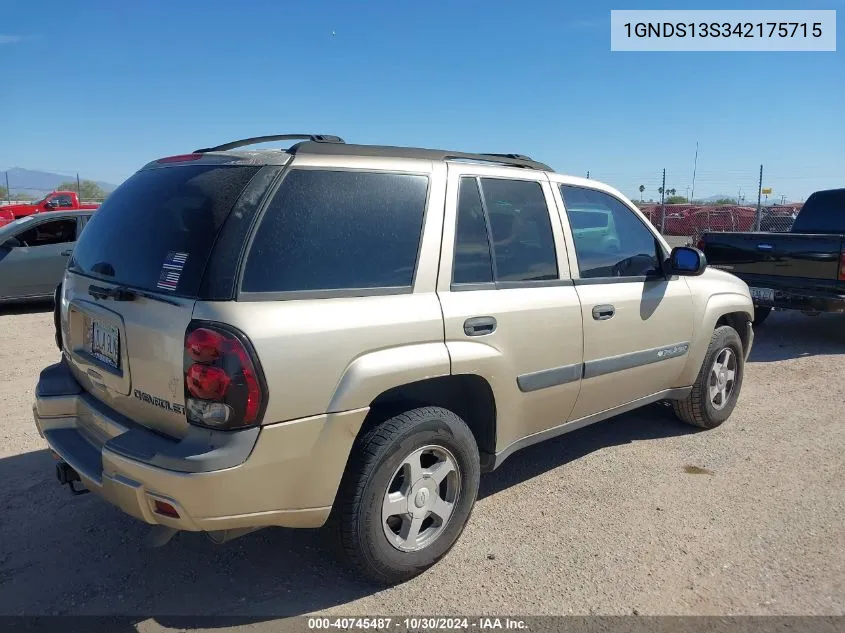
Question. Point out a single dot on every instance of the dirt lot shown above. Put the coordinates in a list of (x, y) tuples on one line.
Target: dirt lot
[(637, 514)]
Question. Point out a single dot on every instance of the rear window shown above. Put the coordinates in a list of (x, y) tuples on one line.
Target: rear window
[(338, 230), (156, 231), (824, 212)]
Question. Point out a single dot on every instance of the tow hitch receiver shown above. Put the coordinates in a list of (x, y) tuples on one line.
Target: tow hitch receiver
[(67, 475)]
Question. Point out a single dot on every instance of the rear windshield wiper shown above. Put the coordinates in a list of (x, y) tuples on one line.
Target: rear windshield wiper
[(118, 293), (122, 293)]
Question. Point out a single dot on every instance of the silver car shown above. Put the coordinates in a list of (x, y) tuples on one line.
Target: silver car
[(34, 252)]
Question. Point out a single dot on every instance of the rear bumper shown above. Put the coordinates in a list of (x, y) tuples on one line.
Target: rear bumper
[(283, 474), (806, 300)]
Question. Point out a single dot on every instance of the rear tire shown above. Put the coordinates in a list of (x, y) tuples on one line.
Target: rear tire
[(404, 476), (761, 313), (716, 389)]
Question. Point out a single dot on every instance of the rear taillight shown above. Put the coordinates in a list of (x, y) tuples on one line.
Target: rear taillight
[(842, 264), (224, 387)]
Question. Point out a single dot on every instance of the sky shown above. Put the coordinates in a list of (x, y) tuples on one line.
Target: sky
[(99, 88)]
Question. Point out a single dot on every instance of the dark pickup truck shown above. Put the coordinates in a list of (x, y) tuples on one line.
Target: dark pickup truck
[(803, 269)]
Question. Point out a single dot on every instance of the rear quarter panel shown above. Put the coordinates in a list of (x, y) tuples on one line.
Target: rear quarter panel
[(337, 354)]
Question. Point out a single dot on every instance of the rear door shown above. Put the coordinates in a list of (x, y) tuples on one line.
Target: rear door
[(511, 312), (153, 237)]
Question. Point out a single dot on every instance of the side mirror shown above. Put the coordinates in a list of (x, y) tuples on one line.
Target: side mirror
[(12, 242), (685, 260)]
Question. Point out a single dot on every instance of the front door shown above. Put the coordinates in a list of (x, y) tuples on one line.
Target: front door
[(35, 266), (511, 312), (637, 323)]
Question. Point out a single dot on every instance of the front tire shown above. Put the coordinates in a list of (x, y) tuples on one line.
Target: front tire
[(408, 492), (716, 389)]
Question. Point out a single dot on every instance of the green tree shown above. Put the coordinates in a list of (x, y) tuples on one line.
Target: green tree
[(4, 193), (642, 188), (673, 199), (724, 201), (88, 189)]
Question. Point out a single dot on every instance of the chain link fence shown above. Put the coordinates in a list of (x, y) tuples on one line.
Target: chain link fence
[(684, 204), (691, 220)]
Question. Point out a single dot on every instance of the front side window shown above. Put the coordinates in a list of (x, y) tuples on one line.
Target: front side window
[(63, 201), (47, 233), (610, 240), (338, 230)]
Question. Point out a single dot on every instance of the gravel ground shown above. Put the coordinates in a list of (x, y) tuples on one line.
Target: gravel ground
[(639, 514)]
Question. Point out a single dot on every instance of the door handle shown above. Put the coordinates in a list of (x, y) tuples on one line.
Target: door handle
[(603, 312), (67, 253), (479, 326)]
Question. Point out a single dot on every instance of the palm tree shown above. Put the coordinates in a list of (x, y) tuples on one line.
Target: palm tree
[(642, 188)]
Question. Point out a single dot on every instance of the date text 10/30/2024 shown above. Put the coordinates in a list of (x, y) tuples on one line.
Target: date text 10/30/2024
[(416, 624)]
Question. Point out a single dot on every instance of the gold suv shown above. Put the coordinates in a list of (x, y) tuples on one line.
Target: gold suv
[(352, 334)]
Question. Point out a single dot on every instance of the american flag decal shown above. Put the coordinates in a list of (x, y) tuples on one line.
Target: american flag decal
[(171, 270)]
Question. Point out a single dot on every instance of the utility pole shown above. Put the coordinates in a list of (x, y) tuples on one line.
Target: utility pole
[(8, 191), (662, 208), (759, 194), (694, 168), (78, 188)]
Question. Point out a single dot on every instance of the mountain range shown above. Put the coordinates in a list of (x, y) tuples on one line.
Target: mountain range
[(35, 182)]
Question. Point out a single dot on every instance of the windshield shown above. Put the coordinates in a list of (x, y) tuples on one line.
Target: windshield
[(824, 212), (156, 231)]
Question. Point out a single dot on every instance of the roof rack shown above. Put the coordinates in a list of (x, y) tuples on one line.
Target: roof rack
[(344, 149), (314, 138)]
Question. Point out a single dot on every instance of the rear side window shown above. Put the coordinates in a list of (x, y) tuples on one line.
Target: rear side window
[(156, 231), (523, 244), (338, 230), (824, 212)]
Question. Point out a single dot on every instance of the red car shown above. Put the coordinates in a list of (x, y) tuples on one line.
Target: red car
[(55, 201)]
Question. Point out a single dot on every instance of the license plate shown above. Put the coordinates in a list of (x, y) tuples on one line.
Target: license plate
[(105, 343), (765, 294)]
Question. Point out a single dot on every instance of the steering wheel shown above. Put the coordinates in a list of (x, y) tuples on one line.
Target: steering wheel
[(633, 266)]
